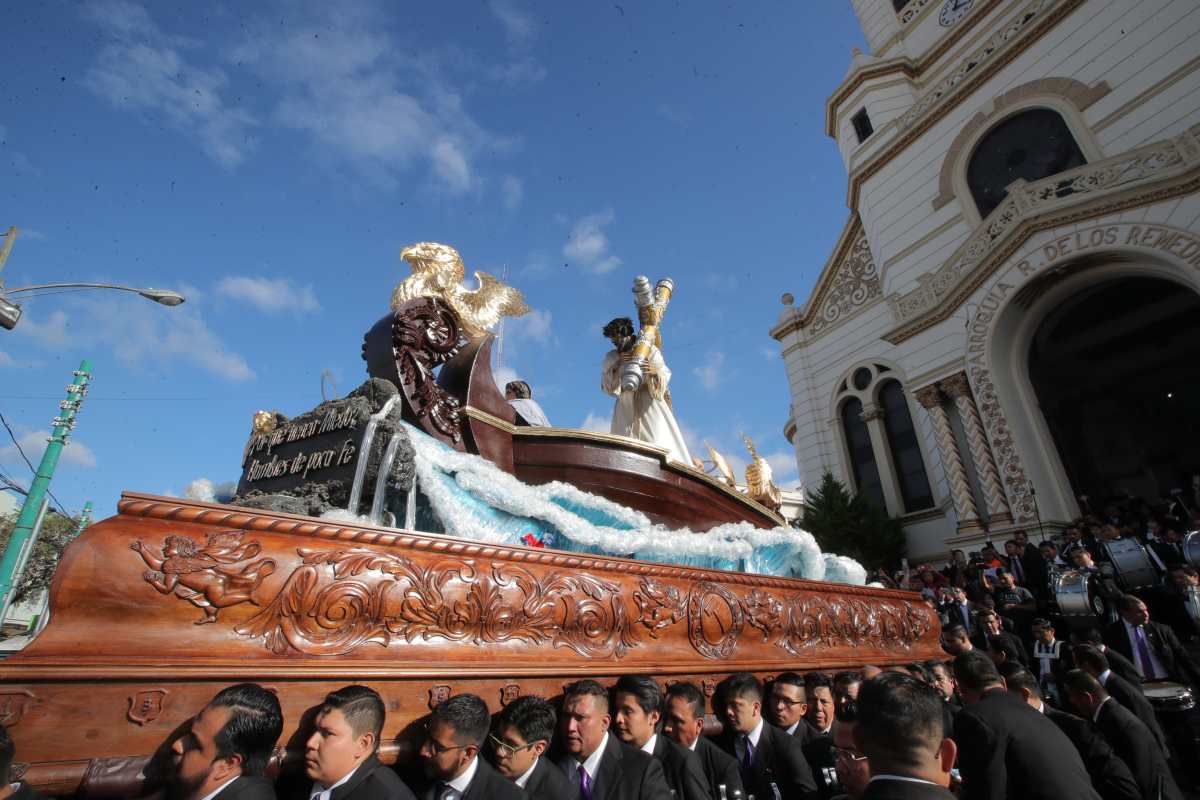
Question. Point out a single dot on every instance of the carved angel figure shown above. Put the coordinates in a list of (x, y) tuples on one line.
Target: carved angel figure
[(207, 577), (438, 271)]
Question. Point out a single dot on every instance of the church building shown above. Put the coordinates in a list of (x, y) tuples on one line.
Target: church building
[(1007, 331)]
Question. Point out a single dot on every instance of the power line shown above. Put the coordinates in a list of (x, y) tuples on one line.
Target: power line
[(21, 450)]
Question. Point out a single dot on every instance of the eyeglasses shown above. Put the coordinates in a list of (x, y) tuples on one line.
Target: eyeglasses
[(437, 747), (849, 755), (789, 703), (505, 750)]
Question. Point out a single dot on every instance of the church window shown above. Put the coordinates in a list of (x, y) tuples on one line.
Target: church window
[(862, 378), (1031, 145), (906, 451), (862, 456), (862, 125)]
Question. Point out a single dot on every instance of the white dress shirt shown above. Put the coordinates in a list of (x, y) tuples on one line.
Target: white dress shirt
[(209, 796), (319, 792), (904, 778), (791, 729), (592, 763), (756, 733), (648, 747), (524, 779), (1159, 670), (464, 778)]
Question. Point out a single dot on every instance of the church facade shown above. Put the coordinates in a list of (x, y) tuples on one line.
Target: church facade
[(1007, 331)]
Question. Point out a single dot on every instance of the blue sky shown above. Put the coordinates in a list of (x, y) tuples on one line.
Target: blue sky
[(270, 159)]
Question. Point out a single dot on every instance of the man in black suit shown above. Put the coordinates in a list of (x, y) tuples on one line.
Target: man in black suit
[(768, 758), (1006, 749), (7, 753), (1128, 736), (788, 705), (1119, 664), (818, 750), (596, 761), (339, 756), (1153, 648), (957, 610), (225, 750), (899, 730), (1093, 662), (523, 731), (454, 736), (637, 701), (990, 625), (683, 721), (1110, 775)]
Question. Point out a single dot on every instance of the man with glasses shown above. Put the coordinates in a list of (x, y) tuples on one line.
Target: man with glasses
[(450, 754), (522, 734), (789, 704)]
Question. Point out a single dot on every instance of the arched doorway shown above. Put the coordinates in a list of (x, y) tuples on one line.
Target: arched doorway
[(1116, 371)]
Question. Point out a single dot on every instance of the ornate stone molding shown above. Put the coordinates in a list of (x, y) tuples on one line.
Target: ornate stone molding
[(912, 11), (959, 390), (1020, 490), (849, 282), (871, 411), (931, 399), (1162, 169)]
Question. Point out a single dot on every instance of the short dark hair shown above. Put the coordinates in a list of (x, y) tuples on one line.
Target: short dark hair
[(935, 663), (254, 726), (586, 687), (362, 706), (468, 715), (519, 388), (532, 716), (897, 714), (1127, 601), (791, 679), (644, 690), (1089, 657), (621, 326), (1048, 543), (690, 694), (974, 671), (847, 712), (1016, 677), (847, 677), (817, 680), (7, 751), (1042, 622), (741, 684), (955, 631), (918, 671), (1091, 636), (1002, 644), (1081, 681)]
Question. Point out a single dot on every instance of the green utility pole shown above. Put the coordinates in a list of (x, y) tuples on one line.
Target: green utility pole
[(85, 517), (63, 423)]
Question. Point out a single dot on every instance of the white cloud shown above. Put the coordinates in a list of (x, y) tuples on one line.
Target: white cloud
[(51, 334), (535, 326), (139, 332), (596, 422), (710, 373), (142, 68), (588, 244), (769, 353), (34, 444), (269, 295), (518, 26), (783, 464), (511, 192), (206, 491)]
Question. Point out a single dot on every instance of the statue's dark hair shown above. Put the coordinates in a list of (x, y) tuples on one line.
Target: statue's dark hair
[(362, 706), (691, 694), (621, 326), (644, 690), (532, 716), (468, 715), (520, 389), (254, 725)]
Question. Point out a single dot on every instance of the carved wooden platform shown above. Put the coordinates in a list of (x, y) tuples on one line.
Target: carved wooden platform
[(154, 610)]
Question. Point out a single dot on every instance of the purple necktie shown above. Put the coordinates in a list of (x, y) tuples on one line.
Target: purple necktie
[(1144, 654), (585, 784), (747, 754)]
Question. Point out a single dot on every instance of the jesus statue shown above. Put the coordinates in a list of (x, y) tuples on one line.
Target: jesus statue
[(642, 413)]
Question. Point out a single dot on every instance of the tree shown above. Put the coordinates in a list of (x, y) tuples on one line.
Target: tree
[(852, 525), (57, 532)]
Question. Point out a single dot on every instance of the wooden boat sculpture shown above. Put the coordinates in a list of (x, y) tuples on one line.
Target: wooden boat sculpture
[(156, 609)]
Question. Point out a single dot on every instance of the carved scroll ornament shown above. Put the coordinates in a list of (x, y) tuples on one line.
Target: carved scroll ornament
[(340, 600), (426, 334)]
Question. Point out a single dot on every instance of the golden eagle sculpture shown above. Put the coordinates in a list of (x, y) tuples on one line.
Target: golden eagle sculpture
[(437, 271)]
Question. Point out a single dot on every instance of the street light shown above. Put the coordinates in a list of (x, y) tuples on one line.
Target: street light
[(10, 312)]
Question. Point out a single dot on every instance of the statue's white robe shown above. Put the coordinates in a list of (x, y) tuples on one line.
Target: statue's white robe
[(644, 413)]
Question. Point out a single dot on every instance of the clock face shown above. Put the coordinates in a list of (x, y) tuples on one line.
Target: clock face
[(953, 11)]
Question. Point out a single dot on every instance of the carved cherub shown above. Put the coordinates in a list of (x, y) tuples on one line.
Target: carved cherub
[(207, 577)]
